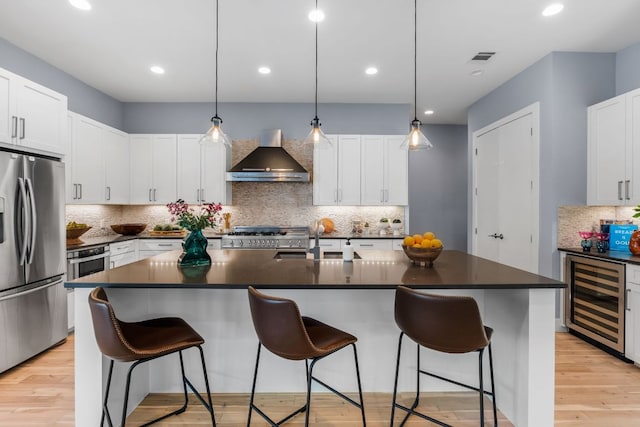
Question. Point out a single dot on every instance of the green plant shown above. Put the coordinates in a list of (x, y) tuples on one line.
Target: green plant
[(637, 210), (397, 221), (384, 219), (187, 217)]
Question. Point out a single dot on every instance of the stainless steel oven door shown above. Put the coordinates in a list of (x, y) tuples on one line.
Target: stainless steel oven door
[(82, 265)]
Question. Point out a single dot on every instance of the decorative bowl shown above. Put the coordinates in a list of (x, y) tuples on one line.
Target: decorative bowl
[(586, 234), (129, 229), (422, 256), (73, 235)]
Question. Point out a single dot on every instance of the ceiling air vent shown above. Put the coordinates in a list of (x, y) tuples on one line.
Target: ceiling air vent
[(483, 56)]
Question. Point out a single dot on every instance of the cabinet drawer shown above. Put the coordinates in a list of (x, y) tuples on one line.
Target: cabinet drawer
[(633, 273), (159, 244), (214, 244), (372, 244), (397, 244), (122, 247), (327, 244)]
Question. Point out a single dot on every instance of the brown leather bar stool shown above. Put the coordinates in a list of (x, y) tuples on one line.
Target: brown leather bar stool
[(282, 330), (141, 342), (449, 324)]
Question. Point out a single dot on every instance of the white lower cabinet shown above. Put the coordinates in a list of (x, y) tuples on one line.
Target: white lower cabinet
[(371, 244), (150, 247), (123, 253), (327, 244), (632, 314)]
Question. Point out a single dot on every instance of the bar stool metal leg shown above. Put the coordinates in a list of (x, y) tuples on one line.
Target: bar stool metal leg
[(206, 383), (105, 409), (481, 387), (493, 389), (395, 383), (355, 356)]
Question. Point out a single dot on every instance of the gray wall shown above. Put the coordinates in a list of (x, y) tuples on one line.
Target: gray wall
[(82, 98), (247, 120), (628, 69), (565, 84), (438, 186)]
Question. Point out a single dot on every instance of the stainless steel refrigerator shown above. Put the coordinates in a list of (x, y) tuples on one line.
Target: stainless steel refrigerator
[(33, 302)]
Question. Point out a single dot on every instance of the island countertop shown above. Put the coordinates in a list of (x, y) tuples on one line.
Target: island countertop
[(238, 269)]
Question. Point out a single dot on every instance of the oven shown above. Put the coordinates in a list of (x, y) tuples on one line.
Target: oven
[(267, 237), (595, 301), (82, 262)]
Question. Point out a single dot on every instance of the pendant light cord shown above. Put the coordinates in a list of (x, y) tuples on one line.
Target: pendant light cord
[(217, 33), (415, 60), (316, 103)]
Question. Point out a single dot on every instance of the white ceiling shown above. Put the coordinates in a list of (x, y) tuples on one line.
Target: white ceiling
[(112, 46)]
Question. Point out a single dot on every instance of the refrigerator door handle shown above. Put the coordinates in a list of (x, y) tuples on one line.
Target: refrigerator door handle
[(22, 240), (2, 207), (34, 220), (30, 291)]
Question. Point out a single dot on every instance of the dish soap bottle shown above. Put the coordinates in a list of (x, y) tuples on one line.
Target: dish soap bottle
[(347, 252)]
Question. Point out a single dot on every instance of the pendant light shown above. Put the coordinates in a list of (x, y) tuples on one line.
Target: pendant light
[(416, 139), (215, 134), (316, 136)]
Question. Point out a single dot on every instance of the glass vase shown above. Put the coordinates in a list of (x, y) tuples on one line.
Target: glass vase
[(194, 250)]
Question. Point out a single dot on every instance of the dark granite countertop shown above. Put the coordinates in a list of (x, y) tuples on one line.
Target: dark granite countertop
[(237, 269), (609, 255)]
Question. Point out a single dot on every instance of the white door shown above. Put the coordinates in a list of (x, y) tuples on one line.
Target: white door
[(140, 147), (8, 120), (349, 170), (88, 161), (372, 170), (212, 174), (325, 172), (117, 160), (164, 169), (506, 199), (396, 171), (633, 141), (189, 163)]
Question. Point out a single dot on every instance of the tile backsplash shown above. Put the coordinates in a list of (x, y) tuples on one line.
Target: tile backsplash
[(572, 219), (253, 203)]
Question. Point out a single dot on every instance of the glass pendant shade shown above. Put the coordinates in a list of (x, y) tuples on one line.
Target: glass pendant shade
[(416, 139), (215, 134), (316, 136)]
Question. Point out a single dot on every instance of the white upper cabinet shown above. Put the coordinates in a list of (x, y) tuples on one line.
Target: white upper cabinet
[(31, 115), (202, 171), (614, 151), (336, 171), (384, 171), (153, 168), (98, 163)]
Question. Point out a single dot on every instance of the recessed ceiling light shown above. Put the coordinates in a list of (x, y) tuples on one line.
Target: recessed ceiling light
[(156, 69), (476, 73), (429, 112), (553, 9), (80, 4), (371, 71), (316, 15), (264, 70)]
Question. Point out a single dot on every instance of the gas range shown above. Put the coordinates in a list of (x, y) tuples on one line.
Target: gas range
[(266, 237)]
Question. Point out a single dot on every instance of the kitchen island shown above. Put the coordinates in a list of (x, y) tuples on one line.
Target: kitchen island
[(357, 297)]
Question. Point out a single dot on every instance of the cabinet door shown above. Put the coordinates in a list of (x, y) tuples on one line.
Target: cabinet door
[(372, 244), (396, 172), (116, 151), (215, 161), (633, 139), (140, 184), (8, 119), (607, 152), (632, 323), (188, 168), (372, 170), (88, 161), (325, 173), (42, 117), (164, 169), (348, 170)]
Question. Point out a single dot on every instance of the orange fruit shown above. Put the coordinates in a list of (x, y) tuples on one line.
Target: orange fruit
[(429, 235), (417, 245), (408, 241), (426, 243), (418, 238), (436, 243), (328, 224)]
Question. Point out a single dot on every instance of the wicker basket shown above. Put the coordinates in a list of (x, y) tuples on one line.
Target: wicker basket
[(422, 256)]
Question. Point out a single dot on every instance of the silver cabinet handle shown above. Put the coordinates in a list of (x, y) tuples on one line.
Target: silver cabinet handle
[(75, 191), (382, 196), (626, 189), (108, 193), (150, 195), (165, 244), (619, 190), (335, 196), (80, 196), (626, 301), (14, 126), (366, 244), (340, 195), (386, 196), (154, 194), (22, 122), (197, 195), (202, 194)]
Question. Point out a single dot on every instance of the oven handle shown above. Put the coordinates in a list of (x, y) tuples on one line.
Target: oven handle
[(89, 258)]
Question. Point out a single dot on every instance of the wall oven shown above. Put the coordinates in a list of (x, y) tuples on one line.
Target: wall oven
[(595, 300), (82, 262)]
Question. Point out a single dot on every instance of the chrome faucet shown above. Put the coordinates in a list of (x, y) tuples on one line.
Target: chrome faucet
[(316, 249)]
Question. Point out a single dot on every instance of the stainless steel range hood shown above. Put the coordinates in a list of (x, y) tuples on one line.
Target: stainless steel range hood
[(269, 163)]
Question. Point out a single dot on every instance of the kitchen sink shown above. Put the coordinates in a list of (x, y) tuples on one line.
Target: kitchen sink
[(303, 255)]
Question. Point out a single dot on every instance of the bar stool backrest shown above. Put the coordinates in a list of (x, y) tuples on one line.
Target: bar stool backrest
[(279, 326), (107, 329), (450, 324)]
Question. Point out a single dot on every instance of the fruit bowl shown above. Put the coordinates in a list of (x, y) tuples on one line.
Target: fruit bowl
[(73, 235), (422, 256), (129, 229)]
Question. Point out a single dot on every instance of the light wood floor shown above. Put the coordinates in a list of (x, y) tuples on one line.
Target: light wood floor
[(592, 389)]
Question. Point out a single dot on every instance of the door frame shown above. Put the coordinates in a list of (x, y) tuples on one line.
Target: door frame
[(534, 111)]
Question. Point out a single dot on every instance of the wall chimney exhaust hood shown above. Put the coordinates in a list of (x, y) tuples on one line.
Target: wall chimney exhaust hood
[(269, 163)]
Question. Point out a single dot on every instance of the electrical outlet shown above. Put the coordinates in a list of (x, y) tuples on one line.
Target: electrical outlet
[(102, 224)]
